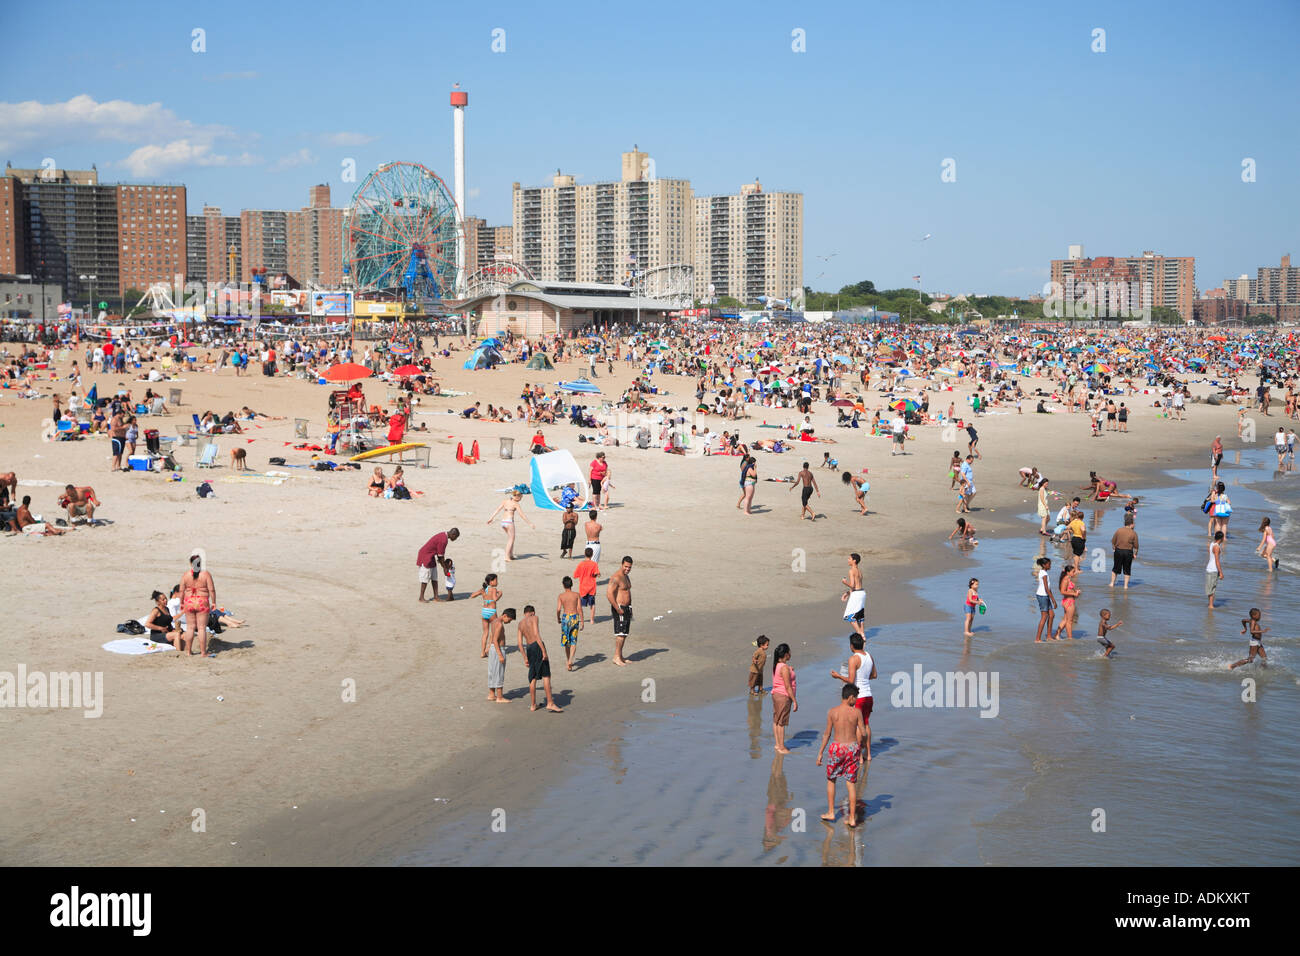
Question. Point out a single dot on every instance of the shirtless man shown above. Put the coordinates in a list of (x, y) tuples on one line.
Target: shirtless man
[(619, 594), (855, 610), (9, 486), (570, 521), (23, 518), (497, 655), (809, 483), (534, 651), (593, 529), (568, 614), (79, 502), (117, 436), (844, 724)]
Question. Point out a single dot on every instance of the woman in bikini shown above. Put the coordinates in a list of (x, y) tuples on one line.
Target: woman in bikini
[(377, 484), (748, 483), (198, 596), (491, 594), (509, 510)]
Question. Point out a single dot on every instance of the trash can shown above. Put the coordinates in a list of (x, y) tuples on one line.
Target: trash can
[(173, 396), (151, 440), (507, 447), (300, 428)]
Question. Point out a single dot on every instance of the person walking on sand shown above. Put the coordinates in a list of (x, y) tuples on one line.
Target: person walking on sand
[(1267, 543), (1214, 568), (1043, 511), (568, 612), (619, 595), (855, 595), (1124, 545), (1216, 456), (569, 520), (1046, 600), (598, 470), (509, 510), (845, 730), (198, 597), (784, 702), (497, 658), (1256, 640), (533, 648), (809, 483), (586, 572)]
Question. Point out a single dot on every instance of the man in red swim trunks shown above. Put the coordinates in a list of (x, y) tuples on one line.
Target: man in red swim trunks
[(845, 724)]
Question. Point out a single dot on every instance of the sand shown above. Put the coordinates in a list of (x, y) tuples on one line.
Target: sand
[(286, 770)]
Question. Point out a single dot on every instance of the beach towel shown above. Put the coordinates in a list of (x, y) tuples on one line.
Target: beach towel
[(135, 646), (857, 601)]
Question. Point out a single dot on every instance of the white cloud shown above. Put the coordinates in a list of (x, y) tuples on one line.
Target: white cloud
[(304, 157), (151, 161), (170, 142), (347, 139)]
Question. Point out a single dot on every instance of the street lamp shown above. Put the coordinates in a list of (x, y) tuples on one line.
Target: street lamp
[(90, 309)]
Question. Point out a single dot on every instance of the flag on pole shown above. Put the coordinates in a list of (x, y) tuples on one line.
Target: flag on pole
[(916, 278)]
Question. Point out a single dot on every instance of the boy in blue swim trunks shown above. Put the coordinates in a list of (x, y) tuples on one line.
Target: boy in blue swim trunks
[(568, 615)]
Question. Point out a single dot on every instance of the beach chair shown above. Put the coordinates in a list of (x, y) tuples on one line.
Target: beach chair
[(198, 425), (206, 453)]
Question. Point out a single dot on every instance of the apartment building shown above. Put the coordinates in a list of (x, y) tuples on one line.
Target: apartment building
[(1277, 285), (265, 242), (749, 244), (485, 244), (1168, 281), (151, 234), (606, 231), (315, 241)]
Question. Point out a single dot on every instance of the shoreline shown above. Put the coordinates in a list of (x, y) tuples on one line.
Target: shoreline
[(366, 774)]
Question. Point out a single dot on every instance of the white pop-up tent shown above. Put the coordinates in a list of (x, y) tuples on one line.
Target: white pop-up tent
[(551, 472)]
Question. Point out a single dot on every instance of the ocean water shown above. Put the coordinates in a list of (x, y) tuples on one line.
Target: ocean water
[(1159, 756)]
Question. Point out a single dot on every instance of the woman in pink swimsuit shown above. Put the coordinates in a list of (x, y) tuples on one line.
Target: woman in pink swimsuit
[(198, 597), (783, 695)]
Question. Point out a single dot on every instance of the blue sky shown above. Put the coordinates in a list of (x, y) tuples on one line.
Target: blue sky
[(1138, 147)]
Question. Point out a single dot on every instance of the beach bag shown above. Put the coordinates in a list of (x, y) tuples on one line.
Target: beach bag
[(275, 461), (214, 622), (1223, 508), (131, 627), (1207, 505), (204, 490), (401, 492)]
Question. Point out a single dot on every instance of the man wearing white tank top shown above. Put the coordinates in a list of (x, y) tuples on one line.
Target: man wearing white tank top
[(862, 668)]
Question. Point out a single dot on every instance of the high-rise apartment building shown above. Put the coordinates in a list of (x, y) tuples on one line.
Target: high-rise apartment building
[(315, 241), (749, 244), (213, 247), (602, 232), (485, 244), (68, 224), (151, 234), (1242, 287), (12, 232), (265, 242), (1168, 281), (1277, 285)]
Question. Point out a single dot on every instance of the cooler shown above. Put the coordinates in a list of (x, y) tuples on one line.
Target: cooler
[(139, 462)]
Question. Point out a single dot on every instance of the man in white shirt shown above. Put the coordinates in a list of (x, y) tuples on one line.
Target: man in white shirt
[(898, 426)]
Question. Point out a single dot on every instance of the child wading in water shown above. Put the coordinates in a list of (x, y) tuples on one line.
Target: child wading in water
[(1103, 628), (1256, 639), (972, 604), (756, 665)]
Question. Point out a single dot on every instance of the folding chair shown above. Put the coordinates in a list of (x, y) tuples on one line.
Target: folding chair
[(206, 453)]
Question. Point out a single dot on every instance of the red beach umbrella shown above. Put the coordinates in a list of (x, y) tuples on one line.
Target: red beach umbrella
[(347, 372), (406, 371)]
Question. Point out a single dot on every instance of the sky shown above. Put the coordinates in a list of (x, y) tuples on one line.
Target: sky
[(1049, 132)]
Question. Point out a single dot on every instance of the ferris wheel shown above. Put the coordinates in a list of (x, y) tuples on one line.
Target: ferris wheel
[(400, 234)]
